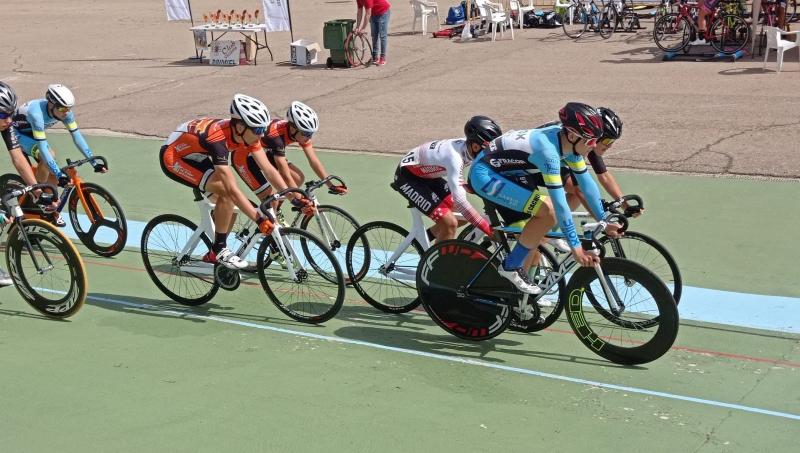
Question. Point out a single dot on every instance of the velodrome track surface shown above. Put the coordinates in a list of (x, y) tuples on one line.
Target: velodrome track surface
[(134, 371)]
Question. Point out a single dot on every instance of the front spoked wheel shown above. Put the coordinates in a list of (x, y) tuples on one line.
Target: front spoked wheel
[(98, 220), (649, 253), (50, 276), (304, 281), (480, 313), (672, 33), (729, 34), (186, 279), (382, 266), (575, 21), (334, 226), (637, 324)]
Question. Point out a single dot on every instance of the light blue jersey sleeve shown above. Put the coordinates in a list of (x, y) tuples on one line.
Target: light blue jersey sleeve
[(588, 186), (36, 118), (547, 159), (77, 138)]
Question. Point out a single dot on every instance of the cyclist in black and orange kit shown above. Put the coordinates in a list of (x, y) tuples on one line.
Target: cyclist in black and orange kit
[(299, 126), (196, 155)]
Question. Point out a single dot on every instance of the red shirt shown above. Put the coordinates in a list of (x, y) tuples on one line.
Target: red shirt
[(379, 7)]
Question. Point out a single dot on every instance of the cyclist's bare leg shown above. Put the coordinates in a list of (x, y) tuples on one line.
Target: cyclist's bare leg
[(538, 225), (297, 174), (223, 211)]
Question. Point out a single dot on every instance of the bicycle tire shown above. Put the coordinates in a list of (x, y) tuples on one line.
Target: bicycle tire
[(366, 267), (574, 22), (47, 240), (729, 34), (119, 225), (605, 20), (446, 268), (672, 24), (791, 11), (203, 287), (358, 50), (343, 230), (668, 271), (597, 334), (301, 285)]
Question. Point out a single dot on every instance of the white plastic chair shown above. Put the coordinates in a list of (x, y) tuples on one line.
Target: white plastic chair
[(516, 5), (422, 9), (774, 41), (494, 14)]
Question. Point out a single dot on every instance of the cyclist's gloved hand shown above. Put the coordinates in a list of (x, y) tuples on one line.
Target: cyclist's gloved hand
[(63, 180), (265, 225), (99, 167), (305, 206), (337, 190)]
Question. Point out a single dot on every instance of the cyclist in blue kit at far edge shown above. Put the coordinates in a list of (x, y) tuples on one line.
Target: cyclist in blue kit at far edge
[(516, 165)]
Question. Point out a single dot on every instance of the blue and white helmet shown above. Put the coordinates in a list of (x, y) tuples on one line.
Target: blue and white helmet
[(250, 110)]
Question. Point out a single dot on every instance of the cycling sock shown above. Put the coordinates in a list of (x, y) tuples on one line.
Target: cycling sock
[(219, 242), (516, 258)]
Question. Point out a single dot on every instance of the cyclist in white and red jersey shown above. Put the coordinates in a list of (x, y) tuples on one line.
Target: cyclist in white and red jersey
[(430, 177)]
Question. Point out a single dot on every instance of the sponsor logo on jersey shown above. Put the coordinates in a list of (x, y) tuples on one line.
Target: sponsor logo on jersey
[(497, 163), (414, 197), (181, 146)]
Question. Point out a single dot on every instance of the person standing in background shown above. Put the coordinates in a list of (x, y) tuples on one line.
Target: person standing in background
[(377, 13)]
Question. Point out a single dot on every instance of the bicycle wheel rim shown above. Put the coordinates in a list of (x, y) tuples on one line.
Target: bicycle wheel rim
[(334, 226), (109, 227), (649, 253), (574, 22), (631, 339), (163, 239), (315, 292), (60, 290), (389, 286), (729, 34), (671, 33)]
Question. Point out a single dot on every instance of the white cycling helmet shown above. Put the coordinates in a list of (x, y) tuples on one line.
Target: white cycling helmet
[(8, 99), (60, 95), (250, 110), (303, 117)]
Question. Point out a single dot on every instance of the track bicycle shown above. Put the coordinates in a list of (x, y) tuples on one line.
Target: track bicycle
[(618, 309), (727, 33), (95, 215), (296, 269), (633, 245), (45, 266), (330, 223), (581, 15)]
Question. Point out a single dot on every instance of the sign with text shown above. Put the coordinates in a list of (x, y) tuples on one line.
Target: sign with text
[(200, 40), (225, 53)]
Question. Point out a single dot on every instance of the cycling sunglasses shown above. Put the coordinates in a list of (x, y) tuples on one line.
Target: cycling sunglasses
[(63, 109), (306, 134), (4, 115), (608, 141), (258, 130), (591, 142)]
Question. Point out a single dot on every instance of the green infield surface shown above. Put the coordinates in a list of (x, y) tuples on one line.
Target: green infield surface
[(135, 371)]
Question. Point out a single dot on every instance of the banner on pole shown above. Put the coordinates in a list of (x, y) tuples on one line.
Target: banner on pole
[(177, 10), (276, 15)]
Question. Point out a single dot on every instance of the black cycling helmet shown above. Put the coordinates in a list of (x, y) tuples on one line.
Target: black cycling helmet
[(8, 99), (612, 125), (481, 129), (582, 120)]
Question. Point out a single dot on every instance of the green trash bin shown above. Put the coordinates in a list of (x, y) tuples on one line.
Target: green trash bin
[(333, 35)]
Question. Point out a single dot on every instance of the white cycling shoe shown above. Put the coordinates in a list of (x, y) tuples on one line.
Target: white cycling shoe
[(559, 244), (520, 279), (230, 260)]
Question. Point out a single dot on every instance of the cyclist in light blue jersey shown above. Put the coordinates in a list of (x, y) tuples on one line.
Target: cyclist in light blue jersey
[(34, 117), (511, 171)]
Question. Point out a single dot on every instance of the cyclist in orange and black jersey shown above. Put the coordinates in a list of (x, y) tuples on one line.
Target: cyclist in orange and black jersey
[(299, 126), (196, 155)]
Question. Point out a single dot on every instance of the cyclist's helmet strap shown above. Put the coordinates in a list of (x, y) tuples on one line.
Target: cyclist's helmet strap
[(582, 120), (8, 99), (612, 125), (481, 129)]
